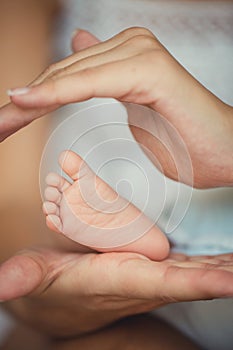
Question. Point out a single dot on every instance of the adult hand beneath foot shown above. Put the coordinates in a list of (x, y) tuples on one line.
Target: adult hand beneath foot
[(134, 67), (74, 293)]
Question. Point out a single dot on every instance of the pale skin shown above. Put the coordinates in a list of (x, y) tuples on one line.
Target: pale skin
[(87, 204), (52, 271)]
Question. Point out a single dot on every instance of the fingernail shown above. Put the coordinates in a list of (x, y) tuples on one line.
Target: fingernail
[(18, 91), (75, 32)]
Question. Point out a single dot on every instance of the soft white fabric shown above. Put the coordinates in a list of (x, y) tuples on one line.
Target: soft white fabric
[(199, 35), (208, 323)]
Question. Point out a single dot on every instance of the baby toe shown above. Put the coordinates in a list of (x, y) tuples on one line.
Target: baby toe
[(54, 223), (52, 195), (55, 180), (63, 184), (50, 208), (52, 179)]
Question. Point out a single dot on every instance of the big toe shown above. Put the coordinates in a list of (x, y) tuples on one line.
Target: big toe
[(54, 223), (72, 164)]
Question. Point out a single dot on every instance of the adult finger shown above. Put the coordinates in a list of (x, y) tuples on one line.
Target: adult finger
[(14, 118), (129, 276), (120, 80), (29, 271), (83, 39), (191, 281), (129, 49), (95, 49)]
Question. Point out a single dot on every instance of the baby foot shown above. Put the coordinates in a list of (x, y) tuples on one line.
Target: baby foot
[(90, 212)]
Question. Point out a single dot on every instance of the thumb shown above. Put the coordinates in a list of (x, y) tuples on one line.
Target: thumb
[(82, 39), (29, 271), (20, 275)]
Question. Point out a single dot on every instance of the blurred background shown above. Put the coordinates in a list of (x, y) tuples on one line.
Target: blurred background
[(26, 37), (34, 33)]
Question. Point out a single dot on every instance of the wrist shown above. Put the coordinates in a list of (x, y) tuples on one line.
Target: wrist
[(221, 147), (227, 179)]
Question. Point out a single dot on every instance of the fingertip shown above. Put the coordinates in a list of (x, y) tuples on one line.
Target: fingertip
[(18, 91), (19, 276), (74, 33), (82, 39), (23, 97), (40, 97)]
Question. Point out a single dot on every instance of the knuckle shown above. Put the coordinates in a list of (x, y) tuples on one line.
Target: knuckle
[(53, 91), (58, 73), (156, 56), (88, 73), (51, 69), (54, 67), (143, 42), (134, 31)]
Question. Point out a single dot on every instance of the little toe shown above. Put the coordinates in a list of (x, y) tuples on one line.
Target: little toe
[(55, 180), (54, 223), (52, 179), (71, 163), (50, 208), (52, 195)]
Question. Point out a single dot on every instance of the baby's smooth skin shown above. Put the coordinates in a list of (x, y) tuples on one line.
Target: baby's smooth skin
[(88, 205)]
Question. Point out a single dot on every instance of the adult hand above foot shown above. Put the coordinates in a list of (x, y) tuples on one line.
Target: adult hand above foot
[(134, 67), (74, 293)]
